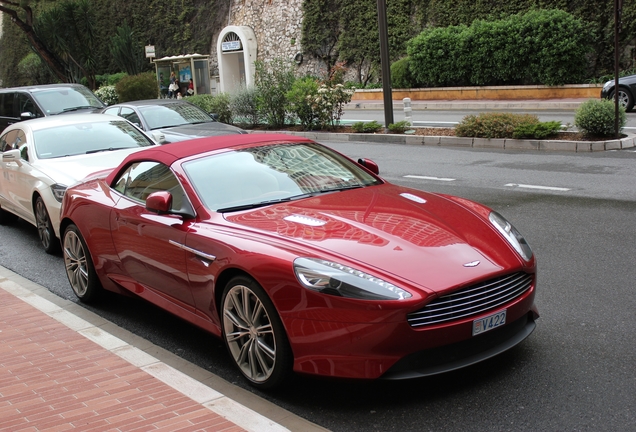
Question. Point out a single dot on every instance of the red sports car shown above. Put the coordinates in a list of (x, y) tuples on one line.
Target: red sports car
[(302, 259)]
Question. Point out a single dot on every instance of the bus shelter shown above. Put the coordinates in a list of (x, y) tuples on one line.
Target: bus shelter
[(185, 67)]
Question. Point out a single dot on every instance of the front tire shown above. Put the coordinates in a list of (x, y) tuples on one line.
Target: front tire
[(625, 99), (254, 334), (79, 266), (46, 233)]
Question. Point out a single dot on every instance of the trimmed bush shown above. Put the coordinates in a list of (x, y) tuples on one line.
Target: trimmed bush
[(493, 125), (596, 117), (369, 127), (537, 130), (303, 102), (244, 106), (273, 81), (137, 87), (399, 127), (219, 105), (401, 77)]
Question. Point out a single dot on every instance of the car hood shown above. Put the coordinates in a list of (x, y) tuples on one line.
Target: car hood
[(427, 239), (71, 169), (191, 131)]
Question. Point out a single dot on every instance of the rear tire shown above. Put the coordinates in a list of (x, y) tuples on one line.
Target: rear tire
[(49, 241), (254, 335), (79, 266)]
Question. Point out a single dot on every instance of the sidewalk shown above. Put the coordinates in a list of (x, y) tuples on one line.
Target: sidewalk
[(61, 368)]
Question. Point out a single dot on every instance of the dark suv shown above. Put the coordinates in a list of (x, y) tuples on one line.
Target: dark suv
[(24, 103)]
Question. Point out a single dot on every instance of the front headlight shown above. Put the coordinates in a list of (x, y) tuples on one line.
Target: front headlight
[(608, 84), (336, 279), (58, 191), (511, 234)]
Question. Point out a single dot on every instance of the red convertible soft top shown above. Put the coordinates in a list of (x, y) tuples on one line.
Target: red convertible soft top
[(169, 153)]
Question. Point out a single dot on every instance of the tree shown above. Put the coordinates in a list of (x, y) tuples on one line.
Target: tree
[(21, 14), (126, 50)]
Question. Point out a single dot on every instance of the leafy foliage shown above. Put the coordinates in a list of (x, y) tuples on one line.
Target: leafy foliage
[(537, 130), (303, 102), (493, 125), (244, 106), (126, 50), (538, 47), (321, 29), (33, 69), (108, 94), (401, 77), (399, 127), (137, 87), (274, 81), (366, 127), (596, 117), (219, 105)]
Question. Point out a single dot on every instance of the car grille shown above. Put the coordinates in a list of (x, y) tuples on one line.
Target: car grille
[(472, 300)]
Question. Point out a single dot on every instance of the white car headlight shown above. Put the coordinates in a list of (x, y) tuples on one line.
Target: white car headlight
[(58, 191), (511, 234), (336, 279), (608, 84)]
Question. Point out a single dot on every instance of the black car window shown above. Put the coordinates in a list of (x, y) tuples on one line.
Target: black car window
[(130, 115), (6, 104), (143, 178), (25, 104)]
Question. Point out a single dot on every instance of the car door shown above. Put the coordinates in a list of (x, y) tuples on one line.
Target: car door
[(18, 176), (147, 243)]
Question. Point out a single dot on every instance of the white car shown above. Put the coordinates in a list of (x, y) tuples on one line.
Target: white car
[(42, 157)]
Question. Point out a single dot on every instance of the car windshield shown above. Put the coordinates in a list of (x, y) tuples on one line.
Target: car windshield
[(259, 176), (66, 99), (85, 138), (173, 114)]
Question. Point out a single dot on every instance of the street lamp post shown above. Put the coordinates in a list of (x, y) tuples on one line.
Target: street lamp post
[(617, 24), (386, 67)]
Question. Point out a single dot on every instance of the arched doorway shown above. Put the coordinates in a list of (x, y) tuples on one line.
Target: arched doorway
[(236, 52)]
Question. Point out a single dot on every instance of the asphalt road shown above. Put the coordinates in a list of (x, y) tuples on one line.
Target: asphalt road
[(574, 373)]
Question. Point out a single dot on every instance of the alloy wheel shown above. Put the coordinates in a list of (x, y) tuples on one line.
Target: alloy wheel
[(43, 224), (75, 262), (249, 333)]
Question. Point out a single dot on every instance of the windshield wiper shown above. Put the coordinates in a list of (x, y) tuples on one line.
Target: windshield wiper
[(264, 203), (79, 108), (106, 149)]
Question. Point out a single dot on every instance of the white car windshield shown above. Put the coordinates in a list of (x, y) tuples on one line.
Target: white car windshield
[(258, 176), (173, 114), (85, 138)]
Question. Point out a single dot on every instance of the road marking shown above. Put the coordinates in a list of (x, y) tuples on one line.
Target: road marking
[(430, 178), (552, 188)]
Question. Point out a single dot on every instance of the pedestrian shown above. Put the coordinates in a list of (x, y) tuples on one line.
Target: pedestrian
[(174, 85), (190, 91)]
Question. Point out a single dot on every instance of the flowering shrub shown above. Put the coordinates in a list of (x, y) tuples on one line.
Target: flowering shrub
[(318, 105), (107, 94)]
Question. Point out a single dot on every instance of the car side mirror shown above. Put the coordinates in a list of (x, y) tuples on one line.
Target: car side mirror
[(159, 202), (214, 116), (12, 156), (26, 115), (370, 165)]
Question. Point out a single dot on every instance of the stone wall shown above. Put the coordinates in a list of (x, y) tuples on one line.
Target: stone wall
[(277, 25)]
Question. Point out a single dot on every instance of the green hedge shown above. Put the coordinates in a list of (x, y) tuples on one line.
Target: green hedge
[(538, 47)]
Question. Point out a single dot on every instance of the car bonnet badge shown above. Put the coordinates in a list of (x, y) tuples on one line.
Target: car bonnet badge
[(472, 264)]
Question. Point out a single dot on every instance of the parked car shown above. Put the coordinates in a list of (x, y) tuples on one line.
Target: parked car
[(626, 91), (301, 259), (41, 157), (176, 120), (24, 103)]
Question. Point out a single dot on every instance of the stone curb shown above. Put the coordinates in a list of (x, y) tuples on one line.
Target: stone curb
[(355, 105), (451, 141)]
